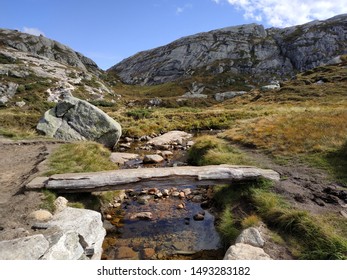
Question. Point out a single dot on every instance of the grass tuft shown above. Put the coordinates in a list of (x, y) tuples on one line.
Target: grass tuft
[(80, 157)]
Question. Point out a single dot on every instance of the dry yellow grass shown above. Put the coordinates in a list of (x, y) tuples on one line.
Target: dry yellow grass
[(293, 133)]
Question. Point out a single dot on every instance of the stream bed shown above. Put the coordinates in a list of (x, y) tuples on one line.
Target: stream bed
[(170, 223)]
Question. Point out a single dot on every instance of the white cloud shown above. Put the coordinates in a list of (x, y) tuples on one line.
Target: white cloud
[(283, 13), (180, 10), (33, 31)]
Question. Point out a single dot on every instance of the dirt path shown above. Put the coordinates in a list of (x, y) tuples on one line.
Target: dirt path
[(20, 161), (304, 187)]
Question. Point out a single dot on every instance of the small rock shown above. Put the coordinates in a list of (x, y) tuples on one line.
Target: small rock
[(180, 206), (128, 139), (40, 215), (148, 253), (187, 191), (199, 217), (125, 145), (166, 154), (60, 204), (108, 217), (197, 198), (142, 216), (126, 253), (20, 104), (166, 192), (153, 159), (175, 193), (181, 195)]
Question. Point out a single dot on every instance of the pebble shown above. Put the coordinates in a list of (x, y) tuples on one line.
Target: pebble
[(199, 217), (181, 195), (175, 194), (148, 253), (180, 206)]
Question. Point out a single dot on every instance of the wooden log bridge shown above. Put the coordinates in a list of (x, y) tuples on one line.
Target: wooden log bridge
[(151, 177)]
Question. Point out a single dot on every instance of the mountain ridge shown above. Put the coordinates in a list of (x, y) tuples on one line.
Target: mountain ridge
[(244, 49)]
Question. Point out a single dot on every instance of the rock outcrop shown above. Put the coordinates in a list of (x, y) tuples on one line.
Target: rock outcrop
[(75, 119), (42, 46), (246, 49), (71, 234)]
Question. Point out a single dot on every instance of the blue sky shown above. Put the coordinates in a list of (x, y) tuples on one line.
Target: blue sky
[(108, 31)]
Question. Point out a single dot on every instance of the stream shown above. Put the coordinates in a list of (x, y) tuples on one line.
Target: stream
[(148, 227), (172, 223)]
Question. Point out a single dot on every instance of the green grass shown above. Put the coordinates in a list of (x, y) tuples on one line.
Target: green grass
[(210, 150), (48, 201), (314, 238), (307, 236), (80, 157)]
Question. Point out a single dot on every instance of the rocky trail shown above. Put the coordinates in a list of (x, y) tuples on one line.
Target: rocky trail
[(20, 162)]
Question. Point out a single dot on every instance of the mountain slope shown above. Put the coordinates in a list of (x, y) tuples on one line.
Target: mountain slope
[(246, 49), (40, 45)]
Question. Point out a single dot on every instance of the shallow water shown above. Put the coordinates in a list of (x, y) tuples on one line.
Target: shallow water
[(170, 233)]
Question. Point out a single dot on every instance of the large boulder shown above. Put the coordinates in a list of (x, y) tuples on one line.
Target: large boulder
[(71, 234), (27, 248), (75, 119), (82, 230)]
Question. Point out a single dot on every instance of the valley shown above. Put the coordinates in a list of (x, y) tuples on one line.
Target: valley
[(241, 107)]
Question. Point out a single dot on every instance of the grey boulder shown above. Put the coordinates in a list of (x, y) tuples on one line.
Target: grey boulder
[(74, 119)]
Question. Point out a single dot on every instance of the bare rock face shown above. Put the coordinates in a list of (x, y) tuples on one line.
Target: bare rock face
[(75, 119), (27, 248), (40, 45), (246, 49)]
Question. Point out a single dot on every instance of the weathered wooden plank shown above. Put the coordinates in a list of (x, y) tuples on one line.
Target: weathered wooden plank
[(156, 177)]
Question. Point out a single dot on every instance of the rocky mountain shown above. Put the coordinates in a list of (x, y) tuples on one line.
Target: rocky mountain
[(35, 68), (249, 49), (42, 46)]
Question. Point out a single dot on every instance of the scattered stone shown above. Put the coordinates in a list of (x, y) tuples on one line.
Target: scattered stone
[(166, 192), (126, 253), (252, 237), (166, 154), (108, 216), (142, 216), (125, 145), (143, 199), (187, 191), (148, 253), (60, 204), (199, 217), (242, 251), (20, 104), (175, 193), (167, 139), (180, 206), (181, 195), (228, 95), (40, 215), (197, 198), (153, 159)]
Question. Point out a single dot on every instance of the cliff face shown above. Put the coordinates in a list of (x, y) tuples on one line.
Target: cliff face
[(42, 46), (246, 49)]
